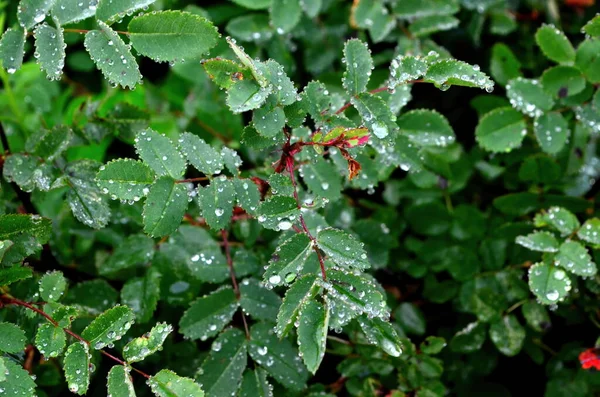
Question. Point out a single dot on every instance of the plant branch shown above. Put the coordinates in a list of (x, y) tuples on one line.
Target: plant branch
[(375, 91), (236, 288), (9, 300), (290, 168)]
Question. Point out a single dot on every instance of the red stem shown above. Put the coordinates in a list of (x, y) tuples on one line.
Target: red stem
[(375, 91), (14, 301), (236, 288), (290, 168)]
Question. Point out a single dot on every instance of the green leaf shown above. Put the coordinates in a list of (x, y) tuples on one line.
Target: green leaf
[(504, 65), (208, 315), (433, 345), (32, 12), (93, 296), (590, 231), (12, 338), (359, 65), (17, 381), (12, 46), (351, 295), (255, 384), (248, 62), (322, 178), (247, 194), (134, 251), (225, 72), (284, 92), (539, 241), (508, 335), (405, 68), (342, 248), (167, 383), (112, 56), (375, 113), (69, 11), (140, 348), (231, 159), (200, 154), (301, 292), (382, 334), (592, 27), (469, 339), (528, 96), (50, 50), (558, 218), (536, 315), (125, 179), (253, 4), (13, 274), (574, 257), (170, 36), (52, 286), (251, 27), (64, 315), (110, 10), (165, 206), (3, 370), (552, 131), (109, 327), (278, 357), (587, 60), (554, 44), (563, 81), (119, 382), (432, 24), (20, 168), (285, 14), (426, 128), (501, 130), (269, 121), (50, 340), (4, 246), (216, 201), (221, 372), (549, 283), (278, 213), (49, 144), (77, 367), (411, 9), (313, 321), (246, 95), (257, 301), (14, 225), (142, 294), (410, 318), (448, 72), (160, 153)]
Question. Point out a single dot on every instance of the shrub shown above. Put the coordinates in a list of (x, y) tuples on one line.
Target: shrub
[(299, 208)]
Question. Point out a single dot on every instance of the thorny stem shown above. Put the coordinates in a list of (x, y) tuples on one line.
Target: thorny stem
[(8, 300), (290, 168), (199, 179), (236, 288), (375, 91)]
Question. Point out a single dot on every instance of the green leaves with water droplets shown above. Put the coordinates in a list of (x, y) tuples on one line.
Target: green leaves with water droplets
[(278, 213), (140, 348), (551, 131), (119, 382), (112, 56), (313, 321), (12, 338), (448, 72), (50, 340), (111, 10), (375, 113), (554, 44), (16, 381), (12, 46), (301, 292), (221, 372), (528, 96), (164, 207), (32, 12), (52, 286), (508, 335), (359, 64), (342, 248), (50, 50), (200, 154), (216, 201), (590, 231), (69, 11), (257, 301), (77, 367), (549, 283), (501, 130), (285, 14), (160, 153), (382, 334), (426, 127), (167, 383), (169, 36), (125, 179), (539, 241), (574, 257), (208, 315), (108, 327)]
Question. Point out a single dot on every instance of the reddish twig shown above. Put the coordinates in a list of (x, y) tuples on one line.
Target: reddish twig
[(189, 180), (14, 301), (236, 287)]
